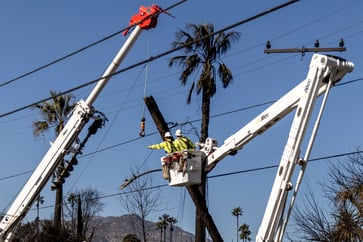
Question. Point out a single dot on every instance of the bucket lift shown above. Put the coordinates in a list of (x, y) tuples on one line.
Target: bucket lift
[(183, 168), (324, 72)]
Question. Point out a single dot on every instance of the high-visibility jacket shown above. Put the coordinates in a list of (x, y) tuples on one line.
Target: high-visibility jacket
[(183, 143), (167, 145)]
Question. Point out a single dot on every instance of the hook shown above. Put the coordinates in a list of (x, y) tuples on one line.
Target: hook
[(142, 127)]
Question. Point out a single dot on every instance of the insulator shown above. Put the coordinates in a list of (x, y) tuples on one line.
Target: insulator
[(316, 44), (268, 45)]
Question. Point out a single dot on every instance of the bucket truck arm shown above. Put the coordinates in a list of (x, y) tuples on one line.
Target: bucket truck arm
[(321, 67), (145, 19), (324, 72)]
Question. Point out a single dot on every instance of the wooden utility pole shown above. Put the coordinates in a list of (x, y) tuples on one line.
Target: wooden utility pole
[(155, 113), (193, 190)]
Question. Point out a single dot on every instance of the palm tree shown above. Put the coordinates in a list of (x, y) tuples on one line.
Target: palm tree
[(39, 201), (160, 226), (203, 50), (54, 113), (72, 199), (202, 53), (164, 221), (245, 232), (171, 221), (237, 212)]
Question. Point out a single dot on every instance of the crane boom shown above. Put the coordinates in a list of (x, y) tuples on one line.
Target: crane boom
[(324, 72), (145, 19), (279, 109)]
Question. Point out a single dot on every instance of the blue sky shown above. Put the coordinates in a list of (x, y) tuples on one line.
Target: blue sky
[(38, 32)]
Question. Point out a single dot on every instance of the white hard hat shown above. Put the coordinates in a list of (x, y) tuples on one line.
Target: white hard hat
[(167, 135), (178, 132)]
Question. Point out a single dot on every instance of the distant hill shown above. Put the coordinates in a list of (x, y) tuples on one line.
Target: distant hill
[(114, 229)]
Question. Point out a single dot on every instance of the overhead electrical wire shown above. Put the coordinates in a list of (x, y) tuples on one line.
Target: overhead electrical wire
[(117, 73), (148, 59), (197, 120), (191, 121), (108, 128), (79, 50), (245, 171), (152, 58), (223, 175)]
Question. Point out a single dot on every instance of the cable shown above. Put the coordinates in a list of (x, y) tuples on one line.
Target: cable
[(220, 114), (16, 175), (107, 131), (79, 50), (225, 174), (142, 124), (192, 121), (181, 124), (150, 134), (62, 58), (152, 58)]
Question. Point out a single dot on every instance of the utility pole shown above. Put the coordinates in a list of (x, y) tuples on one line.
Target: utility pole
[(193, 190), (156, 115)]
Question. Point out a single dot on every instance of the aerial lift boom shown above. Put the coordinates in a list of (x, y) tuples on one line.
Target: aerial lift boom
[(324, 72), (145, 19)]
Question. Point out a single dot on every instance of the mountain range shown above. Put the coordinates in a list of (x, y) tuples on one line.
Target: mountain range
[(114, 229)]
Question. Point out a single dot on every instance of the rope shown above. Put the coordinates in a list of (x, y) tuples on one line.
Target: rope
[(142, 124)]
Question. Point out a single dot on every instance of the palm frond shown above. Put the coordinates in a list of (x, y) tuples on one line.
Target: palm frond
[(225, 74), (39, 127)]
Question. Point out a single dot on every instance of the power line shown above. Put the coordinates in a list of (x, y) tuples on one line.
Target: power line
[(197, 120), (224, 174), (140, 63), (79, 50), (241, 171), (191, 121), (275, 166), (16, 175), (153, 58)]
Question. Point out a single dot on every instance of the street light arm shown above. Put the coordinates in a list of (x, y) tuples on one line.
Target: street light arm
[(134, 177)]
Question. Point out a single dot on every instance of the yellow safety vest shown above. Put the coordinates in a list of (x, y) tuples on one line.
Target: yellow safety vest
[(168, 146), (183, 143)]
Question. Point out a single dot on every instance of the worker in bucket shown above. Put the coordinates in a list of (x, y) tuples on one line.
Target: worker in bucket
[(169, 148), (182, 142), (167, 144)]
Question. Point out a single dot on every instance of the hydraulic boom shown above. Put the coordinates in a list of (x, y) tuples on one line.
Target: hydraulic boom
[(324, 72), (145, 19)]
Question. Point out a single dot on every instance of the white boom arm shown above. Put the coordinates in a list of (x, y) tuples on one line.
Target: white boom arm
[(42, 173), (324, 72), (145, 19)]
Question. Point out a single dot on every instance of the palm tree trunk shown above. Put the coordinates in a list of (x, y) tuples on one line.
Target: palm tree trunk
[(200, 225), (237, 229), (199, 220), (164, 232), (161, 234), (58, 206), (205, 116)]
